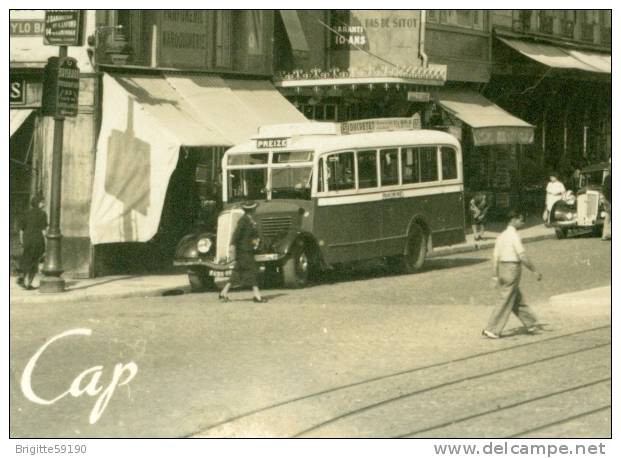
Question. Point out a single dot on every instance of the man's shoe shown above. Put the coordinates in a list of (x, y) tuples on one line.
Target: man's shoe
[(489, 335), (259, 300), (533, 329), (223, 298)]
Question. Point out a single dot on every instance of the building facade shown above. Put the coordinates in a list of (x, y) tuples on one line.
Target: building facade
[(163, 94)]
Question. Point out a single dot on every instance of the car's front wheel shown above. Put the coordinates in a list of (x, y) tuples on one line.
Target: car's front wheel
[(561, 233), (200, 280)]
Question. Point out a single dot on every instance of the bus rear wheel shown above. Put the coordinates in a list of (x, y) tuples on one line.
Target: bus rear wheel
[(415, 250), (296, 269), (200, 280)]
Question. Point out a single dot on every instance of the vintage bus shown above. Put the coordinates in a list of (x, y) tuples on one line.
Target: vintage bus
[(336, 193)]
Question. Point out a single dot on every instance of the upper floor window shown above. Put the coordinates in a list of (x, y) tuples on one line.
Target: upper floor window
[(590, 18), (255, 24), (223, 38), (606, 26), (568, 22), (546, 21), (469, 19)]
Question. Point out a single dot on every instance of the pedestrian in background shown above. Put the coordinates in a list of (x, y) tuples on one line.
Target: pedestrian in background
[(246, 241), (607, 191), (574, 180), (478, 213), (509, 256), (554, 192), (32, 227)]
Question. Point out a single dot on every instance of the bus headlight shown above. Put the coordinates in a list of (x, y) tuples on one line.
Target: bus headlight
[(203, 245)]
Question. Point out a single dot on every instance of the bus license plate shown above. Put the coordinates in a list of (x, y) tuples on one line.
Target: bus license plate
[(220, 273)]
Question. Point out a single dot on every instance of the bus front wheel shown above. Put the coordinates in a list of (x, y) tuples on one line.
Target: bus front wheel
[(415, 250), (296, 269)]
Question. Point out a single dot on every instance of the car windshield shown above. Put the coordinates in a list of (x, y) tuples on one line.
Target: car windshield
[(592, 178)]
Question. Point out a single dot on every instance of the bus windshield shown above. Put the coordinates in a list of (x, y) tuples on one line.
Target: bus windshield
[(264, 176)]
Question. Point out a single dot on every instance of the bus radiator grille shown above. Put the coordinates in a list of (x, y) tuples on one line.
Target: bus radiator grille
[(271, 226)]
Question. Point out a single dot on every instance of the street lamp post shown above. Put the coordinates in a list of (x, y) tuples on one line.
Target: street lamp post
[(52, 281)]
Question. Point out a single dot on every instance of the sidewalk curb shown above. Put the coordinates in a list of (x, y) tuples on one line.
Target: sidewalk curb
[(62, 297), (158, 291), (447, 251)]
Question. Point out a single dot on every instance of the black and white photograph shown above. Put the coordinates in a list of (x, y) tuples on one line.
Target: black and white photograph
[(311, 223)]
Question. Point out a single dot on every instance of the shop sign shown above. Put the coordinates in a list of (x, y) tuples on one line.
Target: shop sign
[(63, 28), (61, 87), (26, 27), (184, 38), (418, 96), (17, 91), (380, 125), (264, 143)]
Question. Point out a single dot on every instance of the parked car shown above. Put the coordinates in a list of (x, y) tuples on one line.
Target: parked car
[(584, 211)]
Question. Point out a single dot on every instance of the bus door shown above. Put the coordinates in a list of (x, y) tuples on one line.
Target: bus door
[(337, 222), (369, 206), (393, 219)]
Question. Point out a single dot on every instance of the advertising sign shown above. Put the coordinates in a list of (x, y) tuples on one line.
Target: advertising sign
[(358, 36), (63, 28), (26, 27), (61, 87)]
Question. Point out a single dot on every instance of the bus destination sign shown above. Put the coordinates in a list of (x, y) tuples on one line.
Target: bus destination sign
[(264, 143), (380, 125)]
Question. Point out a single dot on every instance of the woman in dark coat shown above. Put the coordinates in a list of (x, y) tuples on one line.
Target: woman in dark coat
[(32, 227), (245, 240)]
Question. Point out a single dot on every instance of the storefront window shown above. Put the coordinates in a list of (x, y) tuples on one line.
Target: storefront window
[(254, 23)]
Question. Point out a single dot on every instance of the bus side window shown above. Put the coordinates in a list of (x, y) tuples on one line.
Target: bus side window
[(341, 171), (428, 163), (410, 169), (449, 163), (367, 169), (389, 163)]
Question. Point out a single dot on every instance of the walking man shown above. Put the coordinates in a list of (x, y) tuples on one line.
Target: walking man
[(509, 256)]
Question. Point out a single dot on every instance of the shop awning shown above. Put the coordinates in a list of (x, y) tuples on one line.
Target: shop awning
[(560, 57), (295, 32), (17, 118), (232, 107), (491, 125), (146, 121)]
